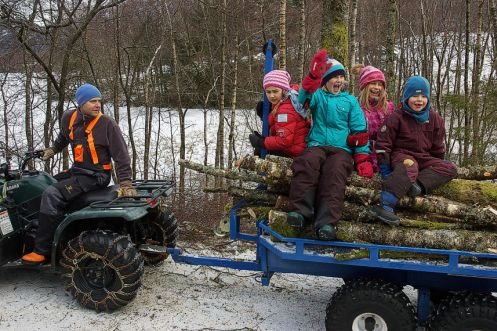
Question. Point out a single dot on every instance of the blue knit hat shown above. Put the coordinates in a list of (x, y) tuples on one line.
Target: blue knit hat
[(85, 93), (336, 69), (414, 86)]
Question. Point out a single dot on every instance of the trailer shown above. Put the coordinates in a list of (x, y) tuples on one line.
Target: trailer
[(454, 288)]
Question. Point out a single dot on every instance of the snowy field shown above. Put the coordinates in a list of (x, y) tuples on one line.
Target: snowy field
[(173, 297)]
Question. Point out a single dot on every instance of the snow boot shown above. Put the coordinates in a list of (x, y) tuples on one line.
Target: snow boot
[(295, 220), (385, 211), (415, 190), (327, 232)]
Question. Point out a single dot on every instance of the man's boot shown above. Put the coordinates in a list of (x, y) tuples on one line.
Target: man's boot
[(43, 241), (385, 211)]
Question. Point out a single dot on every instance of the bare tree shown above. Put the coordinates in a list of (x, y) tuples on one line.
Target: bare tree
[(334, 35)]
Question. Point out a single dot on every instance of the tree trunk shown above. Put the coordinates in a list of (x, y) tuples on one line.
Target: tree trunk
[(334, 35), (282, 15), (301, 58), (352, 41), (390, 47), (231, 136)]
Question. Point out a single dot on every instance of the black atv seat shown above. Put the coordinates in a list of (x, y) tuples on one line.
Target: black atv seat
[(105, 195)]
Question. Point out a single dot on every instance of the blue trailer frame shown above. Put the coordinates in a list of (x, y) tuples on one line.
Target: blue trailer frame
[(305, 256), (275, 253)]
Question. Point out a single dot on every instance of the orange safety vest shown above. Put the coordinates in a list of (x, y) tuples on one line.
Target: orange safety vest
[(78, 149)]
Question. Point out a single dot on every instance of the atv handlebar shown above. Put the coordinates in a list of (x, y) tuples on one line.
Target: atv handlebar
[(8, 173)]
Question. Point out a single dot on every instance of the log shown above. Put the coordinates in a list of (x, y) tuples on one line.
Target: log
[(475, 241), (375, 233), (482, 217)]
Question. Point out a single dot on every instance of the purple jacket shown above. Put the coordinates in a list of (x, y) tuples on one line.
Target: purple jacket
[(402, 134), (375, 118)]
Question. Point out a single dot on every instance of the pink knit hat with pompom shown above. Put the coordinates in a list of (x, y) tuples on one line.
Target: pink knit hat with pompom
[(277, 78), (370, 74)]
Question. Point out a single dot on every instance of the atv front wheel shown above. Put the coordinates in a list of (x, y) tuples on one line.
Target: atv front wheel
[(163, 231), (103, 270)]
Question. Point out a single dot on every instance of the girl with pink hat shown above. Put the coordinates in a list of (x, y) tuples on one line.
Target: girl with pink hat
[(288, 121), (373, 101)]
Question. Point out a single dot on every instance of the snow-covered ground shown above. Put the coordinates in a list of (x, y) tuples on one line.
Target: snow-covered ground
[(173, 297)]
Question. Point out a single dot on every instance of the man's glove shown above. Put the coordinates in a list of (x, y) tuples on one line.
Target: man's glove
[(256, 140), (126, 189), (363, 165), (358, 139), (320, 64), (48, 153)]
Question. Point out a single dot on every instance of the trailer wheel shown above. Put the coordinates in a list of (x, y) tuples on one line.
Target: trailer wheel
[(163, 231), (103, 270), (466, 312), (367, 305)]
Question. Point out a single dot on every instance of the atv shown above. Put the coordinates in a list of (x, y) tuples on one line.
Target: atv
[(103, 242)]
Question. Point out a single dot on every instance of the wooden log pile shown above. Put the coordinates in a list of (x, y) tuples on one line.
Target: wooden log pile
[(459, 215)]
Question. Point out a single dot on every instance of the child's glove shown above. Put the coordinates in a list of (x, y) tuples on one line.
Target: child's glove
[(363, 165), (320, 64), (256, 140), (259, 108), (358, 139), (384, 165)]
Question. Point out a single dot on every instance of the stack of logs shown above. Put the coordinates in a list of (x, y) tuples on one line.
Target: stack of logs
[(459, 215)]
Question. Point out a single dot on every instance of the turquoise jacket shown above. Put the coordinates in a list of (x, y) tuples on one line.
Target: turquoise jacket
[(334, 117)]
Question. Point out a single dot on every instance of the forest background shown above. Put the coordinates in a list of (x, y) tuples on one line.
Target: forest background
[(152, 58)]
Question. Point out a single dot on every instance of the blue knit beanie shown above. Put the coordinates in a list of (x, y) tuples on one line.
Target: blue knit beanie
[(414, 86), (336, 69), (85, 93)]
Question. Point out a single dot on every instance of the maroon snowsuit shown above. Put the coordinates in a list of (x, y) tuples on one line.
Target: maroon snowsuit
[(401, 139)]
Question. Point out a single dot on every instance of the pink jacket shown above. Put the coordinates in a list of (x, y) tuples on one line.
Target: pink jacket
[(375, 118)]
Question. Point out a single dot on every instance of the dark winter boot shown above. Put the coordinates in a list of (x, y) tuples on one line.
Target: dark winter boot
[(45, 234), (327, 232), (295, 220), (385, 211), (415, 190)]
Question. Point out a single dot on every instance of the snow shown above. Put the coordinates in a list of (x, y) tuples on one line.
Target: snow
[(173, 297)]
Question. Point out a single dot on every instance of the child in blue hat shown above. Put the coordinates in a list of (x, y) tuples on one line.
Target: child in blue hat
[(410, 150)]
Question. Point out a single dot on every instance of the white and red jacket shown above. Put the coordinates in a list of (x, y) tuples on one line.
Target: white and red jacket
[(287, 130)]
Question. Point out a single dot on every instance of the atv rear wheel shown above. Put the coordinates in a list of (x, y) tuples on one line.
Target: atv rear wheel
[(163, 231), (103, 270), (367, 305)]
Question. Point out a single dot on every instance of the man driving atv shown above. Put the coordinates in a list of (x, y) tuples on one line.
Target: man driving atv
[(95, 139)]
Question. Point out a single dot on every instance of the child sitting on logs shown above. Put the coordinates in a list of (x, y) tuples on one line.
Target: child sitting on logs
[(410, 150), (317, 188)]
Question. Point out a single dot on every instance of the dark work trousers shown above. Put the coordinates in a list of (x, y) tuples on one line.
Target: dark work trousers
[(55, 199), (430, 172), (317, 188)]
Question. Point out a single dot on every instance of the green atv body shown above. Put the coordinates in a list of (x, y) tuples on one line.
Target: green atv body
[(103, 242)]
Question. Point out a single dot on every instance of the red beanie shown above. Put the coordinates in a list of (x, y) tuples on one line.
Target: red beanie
[(277, 78), (370, 74)]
